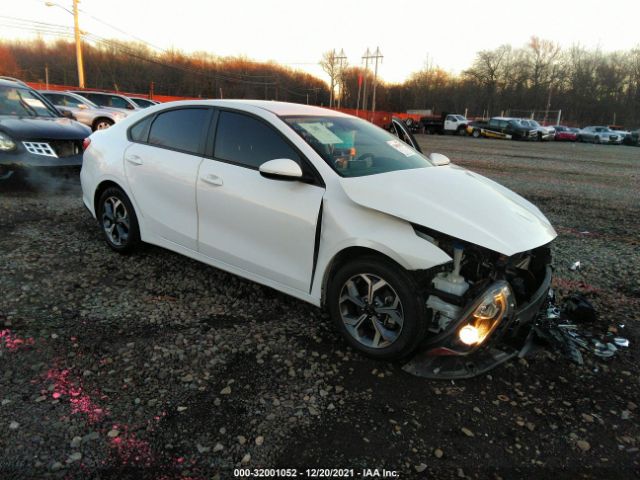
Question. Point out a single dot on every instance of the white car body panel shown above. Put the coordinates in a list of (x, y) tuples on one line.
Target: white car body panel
[(163, 183), (257, 224), (265, 230)]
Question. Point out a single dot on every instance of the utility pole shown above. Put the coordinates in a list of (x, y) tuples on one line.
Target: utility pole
[(377, 55), (365, 57), (78, 37), (340, 58), (76, 27), (46, 75), (359, 90)]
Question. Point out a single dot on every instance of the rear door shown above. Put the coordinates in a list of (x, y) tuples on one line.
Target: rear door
[(161, 166), (262, 226)]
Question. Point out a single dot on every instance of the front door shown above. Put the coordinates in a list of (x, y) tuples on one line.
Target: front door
[(262, 226)]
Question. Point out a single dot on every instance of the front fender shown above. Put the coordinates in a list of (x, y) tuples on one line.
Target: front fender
[(343, 228)]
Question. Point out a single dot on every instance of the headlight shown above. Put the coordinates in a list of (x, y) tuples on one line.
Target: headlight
[(486, 314), (6, 143)]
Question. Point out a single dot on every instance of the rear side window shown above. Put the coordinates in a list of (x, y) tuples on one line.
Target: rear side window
[(180, 129), (140, 131), (248, 142)]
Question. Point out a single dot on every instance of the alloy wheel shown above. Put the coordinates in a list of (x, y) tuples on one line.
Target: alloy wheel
[(115, 221), (371, 310)]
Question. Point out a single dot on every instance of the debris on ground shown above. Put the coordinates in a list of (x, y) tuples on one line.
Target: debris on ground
[(564, 328)]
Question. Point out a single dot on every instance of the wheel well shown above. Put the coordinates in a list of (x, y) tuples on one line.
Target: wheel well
[(349, 254), (95, 121), (101, 188)]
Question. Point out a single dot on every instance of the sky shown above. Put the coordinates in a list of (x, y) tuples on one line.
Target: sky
[(410, 34)]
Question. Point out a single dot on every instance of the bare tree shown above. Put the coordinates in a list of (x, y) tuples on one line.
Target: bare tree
[(330, 64)]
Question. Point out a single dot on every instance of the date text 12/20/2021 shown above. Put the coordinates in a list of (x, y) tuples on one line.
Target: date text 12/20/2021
[(314, 473)]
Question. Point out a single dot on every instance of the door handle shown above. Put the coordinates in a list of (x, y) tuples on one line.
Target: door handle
[(134, 159), (212, 179)]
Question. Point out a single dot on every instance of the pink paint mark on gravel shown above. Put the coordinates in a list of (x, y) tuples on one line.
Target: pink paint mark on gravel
[(81, 402), (130, 450), (12, 342)]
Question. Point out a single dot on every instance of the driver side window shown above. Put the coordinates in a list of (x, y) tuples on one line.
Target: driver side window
[(248, 142)]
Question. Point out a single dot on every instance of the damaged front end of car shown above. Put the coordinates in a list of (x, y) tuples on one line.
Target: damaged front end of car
[(481, 307)]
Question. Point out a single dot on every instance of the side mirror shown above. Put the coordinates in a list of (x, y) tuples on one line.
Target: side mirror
[(281, 169), (66, 113), (82, 106), (439, 160)]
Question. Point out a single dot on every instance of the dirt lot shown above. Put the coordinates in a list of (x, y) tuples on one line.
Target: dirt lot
[(155, 366)]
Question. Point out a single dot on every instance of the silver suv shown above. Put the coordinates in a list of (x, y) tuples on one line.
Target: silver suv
[(85, 111)]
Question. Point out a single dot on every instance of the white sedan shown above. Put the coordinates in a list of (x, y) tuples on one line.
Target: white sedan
[(404, 250)]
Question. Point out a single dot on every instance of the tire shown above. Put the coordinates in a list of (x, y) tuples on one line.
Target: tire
[(462, 131), (539, 137), (475, 133), (596, 140), (102, 124), (118, 221), (397, 307), (579, 139)]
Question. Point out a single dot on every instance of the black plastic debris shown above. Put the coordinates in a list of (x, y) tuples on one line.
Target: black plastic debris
[(579, 310), (563, 328)]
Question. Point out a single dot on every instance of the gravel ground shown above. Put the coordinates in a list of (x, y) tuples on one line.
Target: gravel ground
[(156, 366)]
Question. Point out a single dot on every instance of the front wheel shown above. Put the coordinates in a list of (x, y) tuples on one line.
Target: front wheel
[(475, 133), (377, 307), (118, 220)]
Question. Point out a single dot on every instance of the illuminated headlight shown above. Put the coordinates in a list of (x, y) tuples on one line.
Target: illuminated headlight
[(6, 143), (487, 312)]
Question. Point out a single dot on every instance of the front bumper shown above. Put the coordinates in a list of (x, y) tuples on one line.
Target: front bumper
[(505, 342), (25, 159)]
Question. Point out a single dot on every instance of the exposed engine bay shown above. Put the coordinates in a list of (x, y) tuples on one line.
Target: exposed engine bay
[(481, 300)]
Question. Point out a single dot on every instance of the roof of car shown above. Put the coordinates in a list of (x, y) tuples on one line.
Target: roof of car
[(8, 82), (280, 108), (277, 108)]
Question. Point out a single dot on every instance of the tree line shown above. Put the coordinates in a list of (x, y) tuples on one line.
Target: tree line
[(589, 86), (134, 67)]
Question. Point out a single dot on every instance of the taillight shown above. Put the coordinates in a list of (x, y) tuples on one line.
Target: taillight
[(85, 143)]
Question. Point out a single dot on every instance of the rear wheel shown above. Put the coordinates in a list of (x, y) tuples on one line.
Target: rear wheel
[(377, 308), (118, 220), (475, 133)]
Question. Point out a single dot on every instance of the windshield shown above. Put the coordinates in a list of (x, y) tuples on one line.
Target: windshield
[(21, 102), (354, 147), (461, 118)]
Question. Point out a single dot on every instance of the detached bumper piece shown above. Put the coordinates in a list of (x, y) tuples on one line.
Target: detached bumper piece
[(511, 336)]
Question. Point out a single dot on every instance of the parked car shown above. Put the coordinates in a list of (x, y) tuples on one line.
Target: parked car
[(445, 123), (543, 133), (564, 133), (597, 134), (502, 127), (84, 110), (635, 137), (144, 102), (289, 196), (33, 133), (112, 100)]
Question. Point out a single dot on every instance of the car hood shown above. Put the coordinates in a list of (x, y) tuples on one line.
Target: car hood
[(456, 202), (43, 128)]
